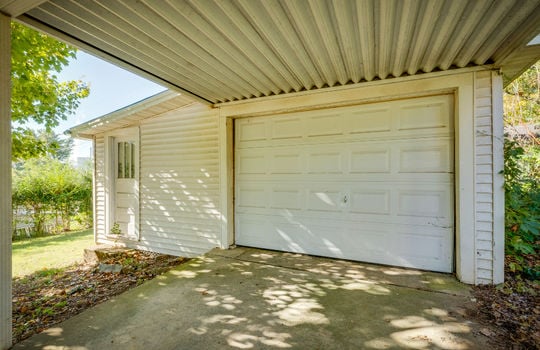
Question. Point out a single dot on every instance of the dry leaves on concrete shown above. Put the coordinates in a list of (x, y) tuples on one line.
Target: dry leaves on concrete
[(51, 296)]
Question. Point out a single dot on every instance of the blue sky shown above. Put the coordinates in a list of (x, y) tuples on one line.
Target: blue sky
[(111, 88)]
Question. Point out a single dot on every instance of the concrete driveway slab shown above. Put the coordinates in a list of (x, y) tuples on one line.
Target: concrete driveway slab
[(248, 298)]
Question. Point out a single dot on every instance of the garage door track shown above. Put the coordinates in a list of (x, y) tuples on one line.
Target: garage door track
[(247, 298)]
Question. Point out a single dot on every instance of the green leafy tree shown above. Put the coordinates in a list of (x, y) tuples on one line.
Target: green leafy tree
[(57, 147), (53, 146), (522, 100), (30, 191), (522, 172), (85, 206), (522, 209), (47, 187), (37, 94)]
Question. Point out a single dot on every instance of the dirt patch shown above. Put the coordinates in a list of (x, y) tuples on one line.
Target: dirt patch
[(511, 311), (51, 296)]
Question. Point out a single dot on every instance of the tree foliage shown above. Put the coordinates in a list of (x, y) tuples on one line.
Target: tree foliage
[(51, 144), (522, 172), (56, 146), (522, 208), (47, 187), (522, 98), (37, 94)]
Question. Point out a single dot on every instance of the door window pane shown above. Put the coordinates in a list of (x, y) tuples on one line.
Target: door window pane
[(126, 160), (121, 160), (132, 160)]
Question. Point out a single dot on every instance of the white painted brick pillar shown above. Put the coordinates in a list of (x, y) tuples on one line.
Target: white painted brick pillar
[(5, 182)]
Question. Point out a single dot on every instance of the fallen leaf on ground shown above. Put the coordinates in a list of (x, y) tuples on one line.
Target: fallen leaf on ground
[(40, 302)]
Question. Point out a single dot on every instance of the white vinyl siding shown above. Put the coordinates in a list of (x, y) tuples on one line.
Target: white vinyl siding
[(485, 141), (180, 182), (180, 150), (100, 188)]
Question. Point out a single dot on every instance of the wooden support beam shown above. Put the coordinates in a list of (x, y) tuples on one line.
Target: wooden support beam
[(5, 182)]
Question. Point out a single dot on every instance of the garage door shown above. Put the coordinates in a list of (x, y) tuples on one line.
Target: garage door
[(371, 183)]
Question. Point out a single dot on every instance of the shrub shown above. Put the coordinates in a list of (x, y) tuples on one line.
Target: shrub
[(522, 215), (49, 189)]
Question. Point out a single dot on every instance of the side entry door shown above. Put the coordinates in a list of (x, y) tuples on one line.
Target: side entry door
[(124, 215)]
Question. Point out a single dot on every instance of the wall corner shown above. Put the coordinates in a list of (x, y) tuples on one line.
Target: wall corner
[(498, 178), (465, 184), (226, 180)]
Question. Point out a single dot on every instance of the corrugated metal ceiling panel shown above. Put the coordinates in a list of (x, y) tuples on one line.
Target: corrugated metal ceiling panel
[(226, 50)]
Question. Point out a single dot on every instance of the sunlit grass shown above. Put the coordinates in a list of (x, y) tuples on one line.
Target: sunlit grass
[(49, 252)]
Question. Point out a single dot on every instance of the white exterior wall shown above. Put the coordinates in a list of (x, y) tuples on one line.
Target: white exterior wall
[(179, 183), (99, 188), (488, 164), (478, 153), (187, 162)]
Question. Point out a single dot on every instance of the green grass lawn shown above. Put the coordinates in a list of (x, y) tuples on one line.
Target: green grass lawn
[(31, 255)]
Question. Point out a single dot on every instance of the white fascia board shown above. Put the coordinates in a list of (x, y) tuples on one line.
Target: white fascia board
[(84, 130)]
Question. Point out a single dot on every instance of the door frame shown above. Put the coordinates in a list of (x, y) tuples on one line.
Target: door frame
[(110, 180)]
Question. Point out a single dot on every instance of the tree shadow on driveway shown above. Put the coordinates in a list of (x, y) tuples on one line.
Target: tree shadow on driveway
[(248, 298)]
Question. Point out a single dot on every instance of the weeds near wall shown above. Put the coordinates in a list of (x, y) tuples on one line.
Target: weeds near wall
[(522, 216)]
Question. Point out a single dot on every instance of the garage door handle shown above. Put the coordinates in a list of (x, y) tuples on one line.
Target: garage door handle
[(345, 199)]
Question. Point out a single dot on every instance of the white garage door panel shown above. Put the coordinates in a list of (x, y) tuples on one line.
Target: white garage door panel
[(426, 204), (390, 244), (427, 155), (371, 183)]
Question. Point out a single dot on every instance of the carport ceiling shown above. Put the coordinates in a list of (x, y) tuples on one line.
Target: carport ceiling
[(225, 50)]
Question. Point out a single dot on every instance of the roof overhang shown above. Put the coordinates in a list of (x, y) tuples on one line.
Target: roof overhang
[(228, 50), (152, 106), (15, 8)]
